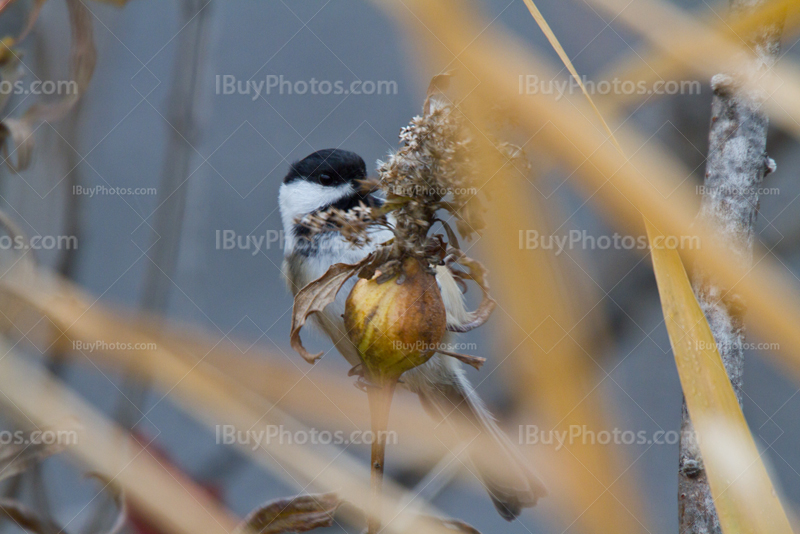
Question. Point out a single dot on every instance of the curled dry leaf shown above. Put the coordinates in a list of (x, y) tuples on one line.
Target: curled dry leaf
[(10, 70), (16, 459), (33, 15), (38, 6), (119, 499), (477, 273), (438, 86), (292, 514), (27, 518), (314, 297), (19, 132)]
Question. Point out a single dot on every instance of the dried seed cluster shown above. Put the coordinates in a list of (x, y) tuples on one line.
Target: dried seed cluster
[(435, 169), (354, 224)]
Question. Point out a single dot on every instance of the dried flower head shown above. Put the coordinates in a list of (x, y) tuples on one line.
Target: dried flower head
[(433, 171)]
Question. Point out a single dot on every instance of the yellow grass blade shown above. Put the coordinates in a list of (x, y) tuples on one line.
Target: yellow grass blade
[(652, 182), (744, 497), (551, 37), (743, 494), (644, 186), (214, 399), (558, 376), (654, 64), (171, 501), (706, 52)]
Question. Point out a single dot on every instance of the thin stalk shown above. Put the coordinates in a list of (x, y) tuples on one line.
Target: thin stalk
[(380, 402), (737, 163), (184, 131)]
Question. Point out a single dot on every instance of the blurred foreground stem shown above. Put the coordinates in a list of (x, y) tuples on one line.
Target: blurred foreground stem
[(380, 401), (737, 163), (184, 133)]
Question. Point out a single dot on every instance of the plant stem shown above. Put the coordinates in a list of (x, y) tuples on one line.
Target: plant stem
[(737, 163), (183, 104), (380, 401), (184, 132)]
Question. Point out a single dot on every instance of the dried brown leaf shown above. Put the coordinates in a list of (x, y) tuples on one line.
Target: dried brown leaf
[(293, 514), (119, 499), (314, 297), (477, 273), (452, 238), (83, 57), (27, 518), (438, 86), (17, 133), (33, 15), (16, 459), (7, 52), (10, 70)]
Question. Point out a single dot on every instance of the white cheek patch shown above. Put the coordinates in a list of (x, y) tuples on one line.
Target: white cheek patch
[(299, 198)]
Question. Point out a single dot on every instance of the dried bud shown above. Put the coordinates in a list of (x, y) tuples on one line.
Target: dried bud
[(396, 325)]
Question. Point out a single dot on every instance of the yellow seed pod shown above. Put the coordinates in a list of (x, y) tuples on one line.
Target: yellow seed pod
[(398, 324)]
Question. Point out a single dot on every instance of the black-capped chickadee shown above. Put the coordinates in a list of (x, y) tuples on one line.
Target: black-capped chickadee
[(329, 178)]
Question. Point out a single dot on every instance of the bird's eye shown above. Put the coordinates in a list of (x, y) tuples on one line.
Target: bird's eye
[(325, 179)]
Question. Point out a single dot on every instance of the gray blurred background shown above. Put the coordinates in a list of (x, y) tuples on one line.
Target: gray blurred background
[(128, 133)]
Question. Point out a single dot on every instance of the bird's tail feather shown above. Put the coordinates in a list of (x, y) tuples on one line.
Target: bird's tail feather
[(505, 474)]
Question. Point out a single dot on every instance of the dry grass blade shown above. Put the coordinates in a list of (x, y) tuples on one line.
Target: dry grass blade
[(172, 353), (209, 396), (557, 377), (173, 502), (474, 361), (293, 514), (554, 372), (647, 184), (744, 496), (16, 459), (681, 309), (551, 37), (654, 65), (707, 52)]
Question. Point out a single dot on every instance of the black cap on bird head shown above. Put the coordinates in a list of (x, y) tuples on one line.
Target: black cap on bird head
[(329, 167)]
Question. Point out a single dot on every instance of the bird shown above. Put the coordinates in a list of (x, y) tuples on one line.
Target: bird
[(331, 178)]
